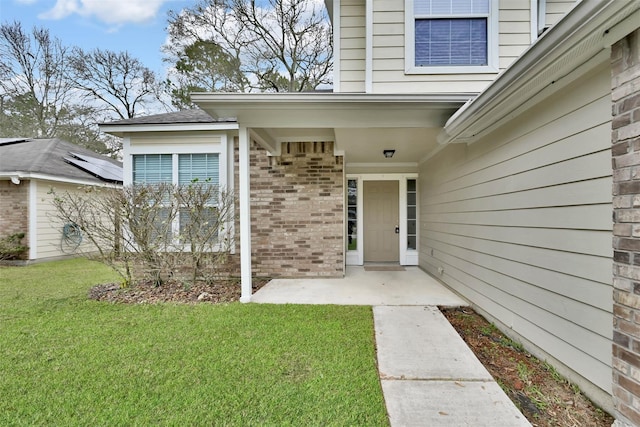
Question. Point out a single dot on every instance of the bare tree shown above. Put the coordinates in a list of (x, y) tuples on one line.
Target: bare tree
[(279, 45), (34, 87), (154, 232), (115, 80), (204, 66), (37, 97)]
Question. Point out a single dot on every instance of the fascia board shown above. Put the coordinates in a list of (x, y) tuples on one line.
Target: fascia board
[(333, 110), (121, 130), (570, 43), (212, 99)]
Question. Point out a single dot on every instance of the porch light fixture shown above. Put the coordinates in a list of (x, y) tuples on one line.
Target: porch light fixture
[(388, 153)]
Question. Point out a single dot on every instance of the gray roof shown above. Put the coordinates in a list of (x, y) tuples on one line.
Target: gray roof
[(176, 117), (47, 156)]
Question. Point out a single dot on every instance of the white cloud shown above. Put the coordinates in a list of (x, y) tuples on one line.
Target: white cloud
[(109, 11)]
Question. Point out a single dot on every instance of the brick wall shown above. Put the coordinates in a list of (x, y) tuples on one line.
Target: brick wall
[(297, 211), (625, 137), (14, 209)]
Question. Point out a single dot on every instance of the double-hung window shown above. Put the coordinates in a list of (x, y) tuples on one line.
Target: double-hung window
[(451, 36), (199, 169), (182, 170)]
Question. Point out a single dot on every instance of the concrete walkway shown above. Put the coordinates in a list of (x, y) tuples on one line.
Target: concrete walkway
[(429, 376)]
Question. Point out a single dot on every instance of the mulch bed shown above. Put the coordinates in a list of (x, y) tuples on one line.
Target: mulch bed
[(145, 292), (543, 396)]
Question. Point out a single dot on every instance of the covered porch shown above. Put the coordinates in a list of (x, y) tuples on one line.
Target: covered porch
[(362, 130)]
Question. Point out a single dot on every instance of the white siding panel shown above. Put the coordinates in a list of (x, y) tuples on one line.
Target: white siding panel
[(520, 222), (590, 242), (590, 217), (356, 86), (514, 15), (49, 228), (521, 283), (556, 10), (353, 32), (352, 66), (509, 39), (545, 262), (576, 169)]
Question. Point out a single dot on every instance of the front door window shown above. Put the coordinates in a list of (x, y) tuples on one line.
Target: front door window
[(412, 229), (352, 214)]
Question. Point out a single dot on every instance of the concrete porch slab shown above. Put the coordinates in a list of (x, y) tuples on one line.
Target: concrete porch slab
[(359, 287)]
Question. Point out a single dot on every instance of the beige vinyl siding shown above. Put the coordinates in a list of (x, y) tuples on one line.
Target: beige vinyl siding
[(352, 46), (49, 228), (389, 51), (556, 10), (520, 221)]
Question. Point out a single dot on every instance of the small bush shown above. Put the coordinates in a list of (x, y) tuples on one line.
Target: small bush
[(11, 247)]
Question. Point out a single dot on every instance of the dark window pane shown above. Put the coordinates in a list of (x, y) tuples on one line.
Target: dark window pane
[(411, 242)]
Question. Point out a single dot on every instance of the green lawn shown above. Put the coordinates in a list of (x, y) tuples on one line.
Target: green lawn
[(66, 360)]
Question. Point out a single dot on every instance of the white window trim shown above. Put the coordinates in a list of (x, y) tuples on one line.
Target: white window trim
[(407, 256), (492, 45), (222, 148)]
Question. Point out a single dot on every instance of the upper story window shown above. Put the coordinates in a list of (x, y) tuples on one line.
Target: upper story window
[(451, 36)]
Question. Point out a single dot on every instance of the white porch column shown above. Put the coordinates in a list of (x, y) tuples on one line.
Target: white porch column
[(245, 215)]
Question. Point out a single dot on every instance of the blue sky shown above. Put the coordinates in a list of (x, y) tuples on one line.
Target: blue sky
[(137, 26)]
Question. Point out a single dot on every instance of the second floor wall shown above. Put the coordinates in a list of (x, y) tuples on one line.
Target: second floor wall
[(396, 46)]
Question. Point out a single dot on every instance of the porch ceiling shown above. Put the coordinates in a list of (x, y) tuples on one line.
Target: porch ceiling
[(362, 146), (362, 125)]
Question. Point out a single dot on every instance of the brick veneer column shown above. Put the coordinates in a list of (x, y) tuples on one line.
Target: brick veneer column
[(297, 209), (625, 91)]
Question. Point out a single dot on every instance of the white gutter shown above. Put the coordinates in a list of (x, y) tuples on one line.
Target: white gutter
[(19, 176), (313, 100), (578, 38)]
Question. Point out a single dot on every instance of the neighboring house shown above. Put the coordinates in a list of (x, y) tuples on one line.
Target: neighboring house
[(475, 143), (29, 170)]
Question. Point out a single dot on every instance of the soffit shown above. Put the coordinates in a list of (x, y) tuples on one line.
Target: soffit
[(332, 110)]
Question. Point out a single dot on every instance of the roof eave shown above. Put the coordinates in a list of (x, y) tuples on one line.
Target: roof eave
[(578, 38), (121, 130), (332, 109)]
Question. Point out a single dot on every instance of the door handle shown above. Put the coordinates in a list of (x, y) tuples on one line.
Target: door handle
[(397, 230)]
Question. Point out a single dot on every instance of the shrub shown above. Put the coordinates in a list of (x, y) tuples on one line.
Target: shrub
[(154, 232), (11, 247)]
